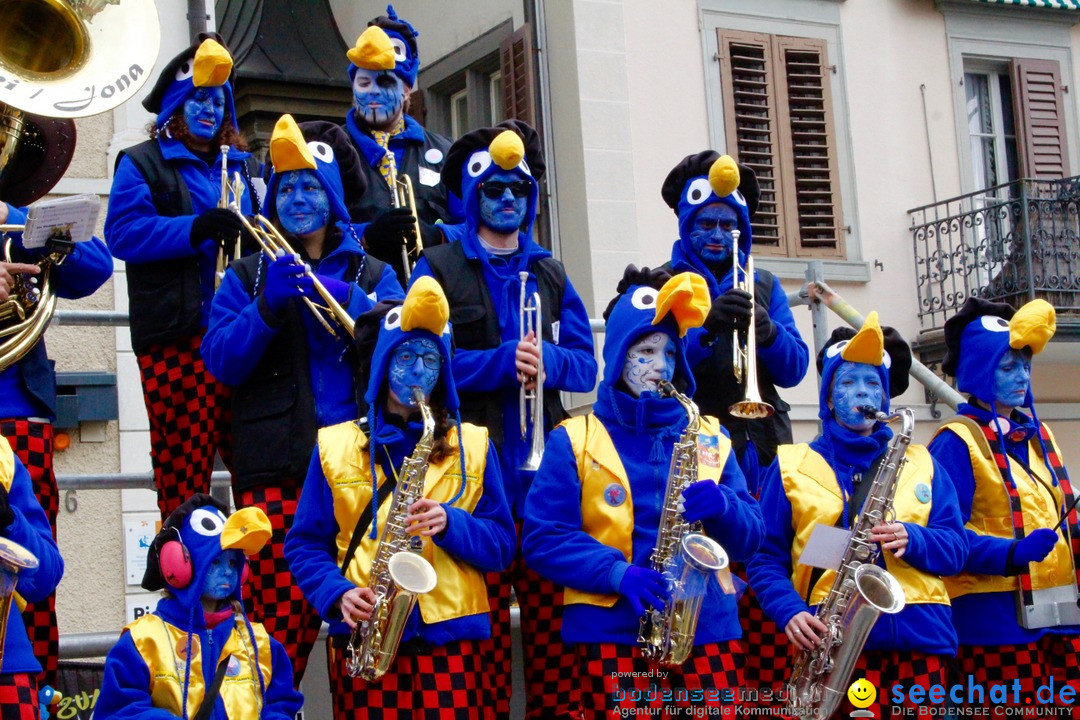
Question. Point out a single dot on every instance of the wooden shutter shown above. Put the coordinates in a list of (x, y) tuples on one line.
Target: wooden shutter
[(417, 109), (1040, 118), (516, 63), (751, 129), (808, 145), (778, 115)]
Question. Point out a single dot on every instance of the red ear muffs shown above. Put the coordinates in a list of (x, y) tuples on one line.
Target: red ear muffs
[(175, 564), (245, 574)]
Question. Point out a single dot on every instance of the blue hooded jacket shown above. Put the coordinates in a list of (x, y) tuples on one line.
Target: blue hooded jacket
[(643, 431)]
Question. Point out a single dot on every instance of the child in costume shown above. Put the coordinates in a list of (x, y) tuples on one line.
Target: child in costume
[(23, 521), (826, 483), (496, 171), (593, 512), (1013, 489), (289, 375), (198, 652), (165, 224), (461, 523)]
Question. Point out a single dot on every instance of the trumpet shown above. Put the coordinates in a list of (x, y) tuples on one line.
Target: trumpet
[(744, 355), (530, 321), (402, 195), (272, 242), (225, 202)]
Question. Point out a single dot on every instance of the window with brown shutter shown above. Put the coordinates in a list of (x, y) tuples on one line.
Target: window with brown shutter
[(778, 120), (515, 55), (1040, 115)]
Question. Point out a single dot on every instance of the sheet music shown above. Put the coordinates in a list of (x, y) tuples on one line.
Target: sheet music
[(76, 216)]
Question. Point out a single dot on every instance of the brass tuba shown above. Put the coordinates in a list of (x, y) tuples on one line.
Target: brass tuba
[(60, 59), (744, 355), (530, 319), (399, 574)]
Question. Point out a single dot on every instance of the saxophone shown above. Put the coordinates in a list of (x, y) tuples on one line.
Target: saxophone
[(683, 554), (398, 573), (860, 592)]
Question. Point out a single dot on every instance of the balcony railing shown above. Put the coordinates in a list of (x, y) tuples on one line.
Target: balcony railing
[(1010, 243)]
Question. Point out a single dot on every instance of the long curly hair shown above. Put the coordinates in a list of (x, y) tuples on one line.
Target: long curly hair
[(176, 127)]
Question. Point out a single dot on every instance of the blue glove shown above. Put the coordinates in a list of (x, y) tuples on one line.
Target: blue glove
[(703, 500), (285, 279), (644, 588), (339, 290), (1035, 547)]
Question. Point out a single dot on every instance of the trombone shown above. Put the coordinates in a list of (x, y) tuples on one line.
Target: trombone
[(744, 354), (402, 195), (272, 242), (530, 320), (224, 203)]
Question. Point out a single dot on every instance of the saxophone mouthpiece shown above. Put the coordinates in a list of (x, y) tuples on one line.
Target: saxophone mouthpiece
[(872, 413)]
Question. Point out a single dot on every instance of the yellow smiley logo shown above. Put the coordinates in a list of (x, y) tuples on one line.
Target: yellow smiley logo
[(862, 693)]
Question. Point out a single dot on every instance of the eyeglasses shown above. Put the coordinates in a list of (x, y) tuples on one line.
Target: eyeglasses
[(408, 359), (493, 189)]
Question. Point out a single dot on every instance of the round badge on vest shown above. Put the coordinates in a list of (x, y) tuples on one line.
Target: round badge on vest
[(233, 668), (614, 494), (922, 493), (433, 155)]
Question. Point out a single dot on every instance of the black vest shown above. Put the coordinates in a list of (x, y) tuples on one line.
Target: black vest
[(717, 390), (274, 420), (165, 296), (475, 326)]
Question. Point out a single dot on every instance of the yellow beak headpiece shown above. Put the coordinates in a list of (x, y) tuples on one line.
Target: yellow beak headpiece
[(868, 345), (212, 65), (288, 149), (425, 307), (686, 297), (373, 50)]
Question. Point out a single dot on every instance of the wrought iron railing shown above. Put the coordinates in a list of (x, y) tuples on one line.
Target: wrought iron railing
[(1010, 243)]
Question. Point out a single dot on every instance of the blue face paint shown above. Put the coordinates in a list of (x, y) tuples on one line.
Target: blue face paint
[(378, 95), (302, 204), (223, 575), (505, 213), (711, 236), (1012, 378), (856, 385), (204, 111), (648, 361), (415, 363)]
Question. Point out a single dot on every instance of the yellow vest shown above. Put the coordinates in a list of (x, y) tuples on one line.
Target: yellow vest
[(163, 646), (991, 513), (599, 468), (812, 490), (460, 590)]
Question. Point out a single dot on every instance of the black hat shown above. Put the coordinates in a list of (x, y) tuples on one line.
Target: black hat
[(43, 154), (693, 166), (895, 345), (348, 160), (974, 308), (153, 579), (470, 142)]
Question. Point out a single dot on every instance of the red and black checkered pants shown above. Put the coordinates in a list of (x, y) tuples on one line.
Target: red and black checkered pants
[(618, 678), (885, 668), (767, 663), (275, 599), (551, 687), (189, 418), (33, 444), (1033, 664), (440, 683), (18, 697)]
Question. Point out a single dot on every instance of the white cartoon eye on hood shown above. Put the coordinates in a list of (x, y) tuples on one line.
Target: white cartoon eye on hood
[(993, 323), (401, 53), (479, 161), (321, 151), (186, 70), (207, 521), (834, 350), (524, 167), (644, 298), (698, 191), (886, 360), (392, 321)]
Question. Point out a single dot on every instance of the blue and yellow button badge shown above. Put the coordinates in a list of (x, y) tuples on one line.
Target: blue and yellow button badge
[(862, 695)]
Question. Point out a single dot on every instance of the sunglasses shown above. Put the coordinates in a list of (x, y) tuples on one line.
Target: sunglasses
[(493, 190)]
